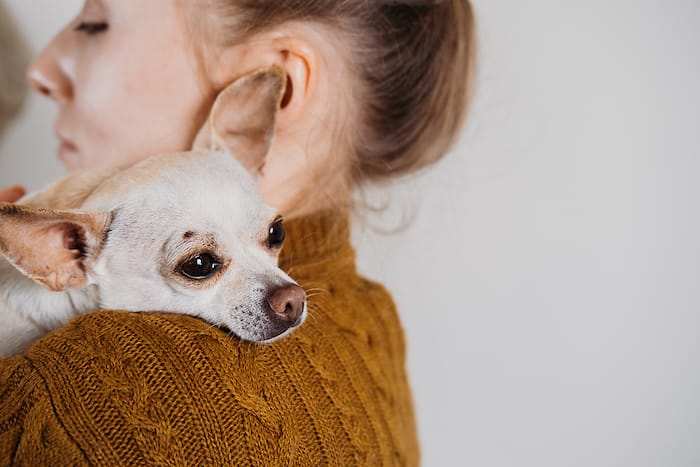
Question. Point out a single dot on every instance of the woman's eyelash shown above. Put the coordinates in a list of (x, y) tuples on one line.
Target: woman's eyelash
[(91, 28)]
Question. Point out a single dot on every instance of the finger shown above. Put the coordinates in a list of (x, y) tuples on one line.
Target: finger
[(12, 194)]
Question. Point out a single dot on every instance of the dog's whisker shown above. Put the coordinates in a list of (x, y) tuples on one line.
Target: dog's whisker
[(312, 290), (312, 315), (211, 326), (314, 318)]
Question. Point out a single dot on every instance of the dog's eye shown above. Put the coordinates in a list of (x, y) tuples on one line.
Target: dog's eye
[(276, 235), (200, 266)]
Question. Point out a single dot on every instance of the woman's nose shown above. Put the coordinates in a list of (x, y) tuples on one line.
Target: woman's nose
[(49, 75)]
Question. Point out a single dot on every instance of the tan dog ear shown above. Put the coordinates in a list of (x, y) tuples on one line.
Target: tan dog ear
[(243, 117), (49, 246)]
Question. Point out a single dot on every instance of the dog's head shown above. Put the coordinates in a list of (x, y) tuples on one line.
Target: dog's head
[(186, 233)]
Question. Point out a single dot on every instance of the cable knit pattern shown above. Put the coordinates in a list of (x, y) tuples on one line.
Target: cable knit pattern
[(115, 388)]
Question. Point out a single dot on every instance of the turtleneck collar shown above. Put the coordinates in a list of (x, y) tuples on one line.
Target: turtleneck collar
[(318, 241)]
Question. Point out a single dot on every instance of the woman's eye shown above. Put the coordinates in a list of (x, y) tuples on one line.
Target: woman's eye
[(200, 267), (91, 28), (276, 234)]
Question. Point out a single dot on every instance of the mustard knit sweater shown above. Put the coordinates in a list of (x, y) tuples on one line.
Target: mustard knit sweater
[(115, 388)]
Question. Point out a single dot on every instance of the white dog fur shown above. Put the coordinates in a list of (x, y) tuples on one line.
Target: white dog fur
[(121, 238)]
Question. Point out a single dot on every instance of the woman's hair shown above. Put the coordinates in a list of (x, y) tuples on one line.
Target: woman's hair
[(14, 59), (416, 62)]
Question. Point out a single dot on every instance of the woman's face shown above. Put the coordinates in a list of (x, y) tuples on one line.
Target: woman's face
[(127, 82)]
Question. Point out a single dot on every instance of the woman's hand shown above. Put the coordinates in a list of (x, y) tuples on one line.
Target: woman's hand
[(11, 194)]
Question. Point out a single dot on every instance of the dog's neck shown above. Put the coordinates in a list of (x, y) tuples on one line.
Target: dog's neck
[(29, 311)]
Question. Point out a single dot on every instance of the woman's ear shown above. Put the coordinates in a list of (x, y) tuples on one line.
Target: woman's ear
[(299, 61), (295, 50), (244, 116)]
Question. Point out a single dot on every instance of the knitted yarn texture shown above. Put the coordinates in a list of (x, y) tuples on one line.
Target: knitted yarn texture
[(116, 388)]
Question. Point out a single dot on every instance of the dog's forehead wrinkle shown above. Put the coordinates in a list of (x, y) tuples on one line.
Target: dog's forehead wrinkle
[(180, 247)]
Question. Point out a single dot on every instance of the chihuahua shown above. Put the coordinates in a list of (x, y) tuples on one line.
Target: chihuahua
[(183, 233)]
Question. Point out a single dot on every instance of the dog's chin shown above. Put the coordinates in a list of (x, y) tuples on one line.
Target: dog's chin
[(267, 333)]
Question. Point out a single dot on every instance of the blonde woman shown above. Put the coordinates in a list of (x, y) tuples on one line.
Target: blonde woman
[(375, 90)]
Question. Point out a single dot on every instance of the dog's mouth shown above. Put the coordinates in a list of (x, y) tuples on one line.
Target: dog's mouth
[(283, 309), (277, 331), (262, 331)]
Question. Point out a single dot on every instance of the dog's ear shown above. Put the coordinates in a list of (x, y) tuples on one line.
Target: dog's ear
[(243, 117), (49, 246)]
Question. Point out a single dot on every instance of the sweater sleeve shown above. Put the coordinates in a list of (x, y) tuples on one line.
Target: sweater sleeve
[(115, 388)]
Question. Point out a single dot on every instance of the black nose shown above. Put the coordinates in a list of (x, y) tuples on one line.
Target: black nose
[(287, 303)]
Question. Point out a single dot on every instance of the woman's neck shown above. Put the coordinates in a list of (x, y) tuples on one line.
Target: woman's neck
[(299, 182)]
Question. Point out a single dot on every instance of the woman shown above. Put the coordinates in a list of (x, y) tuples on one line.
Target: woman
[(375, 90)]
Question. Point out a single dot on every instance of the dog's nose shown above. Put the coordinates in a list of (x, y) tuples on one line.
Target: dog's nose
[(287, 303)]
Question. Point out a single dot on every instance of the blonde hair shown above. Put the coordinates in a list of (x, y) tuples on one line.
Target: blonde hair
[(416, 61), (14, 60)]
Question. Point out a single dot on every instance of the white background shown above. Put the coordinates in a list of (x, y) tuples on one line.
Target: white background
[(549, 281)]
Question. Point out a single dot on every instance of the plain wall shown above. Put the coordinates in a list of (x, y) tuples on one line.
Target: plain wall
[(549, 281)]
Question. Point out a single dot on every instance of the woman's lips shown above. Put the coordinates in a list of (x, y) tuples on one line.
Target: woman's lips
[(68, 153)]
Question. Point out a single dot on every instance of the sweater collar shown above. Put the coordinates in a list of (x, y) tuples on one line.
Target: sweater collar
[(321, 240)]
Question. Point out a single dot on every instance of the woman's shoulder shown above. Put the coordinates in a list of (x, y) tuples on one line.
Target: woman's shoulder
[(363, 308)]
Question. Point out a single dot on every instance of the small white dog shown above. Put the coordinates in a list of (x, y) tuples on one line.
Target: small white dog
[(184, 233)]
